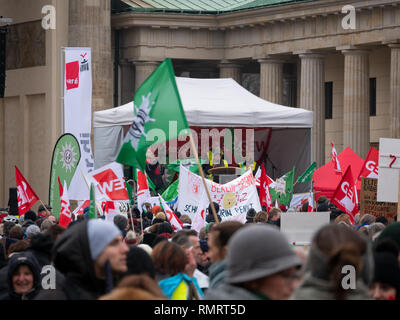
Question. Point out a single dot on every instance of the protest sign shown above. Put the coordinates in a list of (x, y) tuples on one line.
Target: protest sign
[(299, 227), (369, 204)]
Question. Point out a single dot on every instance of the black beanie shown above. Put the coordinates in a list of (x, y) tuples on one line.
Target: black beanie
[(387, 270)]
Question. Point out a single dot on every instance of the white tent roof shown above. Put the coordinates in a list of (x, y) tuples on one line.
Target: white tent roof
[(218, 102)]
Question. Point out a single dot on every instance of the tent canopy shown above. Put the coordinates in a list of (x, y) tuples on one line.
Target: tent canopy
[(218, 103), (326, 180)]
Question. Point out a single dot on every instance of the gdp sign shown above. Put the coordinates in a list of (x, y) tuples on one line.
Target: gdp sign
[(370, 166)]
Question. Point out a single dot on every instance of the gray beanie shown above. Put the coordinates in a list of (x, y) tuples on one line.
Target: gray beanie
[(32, 230), (100, 234), (257, 251)]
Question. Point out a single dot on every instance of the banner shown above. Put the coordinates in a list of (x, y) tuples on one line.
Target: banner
[(369, 204), (299, 199), (65, 212), (26, 196), (109, 183), (234, 198), (66, 156), (78, 113)]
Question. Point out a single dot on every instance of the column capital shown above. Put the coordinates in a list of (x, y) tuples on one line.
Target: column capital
[(229, 64), (270, 59), (350, 49), (309, 54)]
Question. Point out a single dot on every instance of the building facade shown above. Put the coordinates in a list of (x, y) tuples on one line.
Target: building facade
[(296, 53)]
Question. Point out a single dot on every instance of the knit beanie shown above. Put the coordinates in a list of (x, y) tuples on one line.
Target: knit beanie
[(392, 231), (32, 230), (100, 234)]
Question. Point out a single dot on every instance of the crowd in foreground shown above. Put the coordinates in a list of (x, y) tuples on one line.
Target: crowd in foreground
[(140, 257)]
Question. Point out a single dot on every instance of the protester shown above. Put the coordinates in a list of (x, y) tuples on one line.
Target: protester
[(90, 254), (186, 221), (374, 230), (250, 215), (140, 262), (210, 216), (23, 277), (218, 246), (131, 238), (333, 247), (16, 232), (19, 246), (274, 216), (205, 259), (32, 230), (122, 223), (383, 220), (264, 270), (42, 211), (260, 217), (344, 218)]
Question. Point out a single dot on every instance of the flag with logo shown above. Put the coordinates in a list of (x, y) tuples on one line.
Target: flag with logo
[(65, 212), (308, 174), (345, 196), (370, 166), (143, 192), (26, 196), (257, 177), (334, 158), (265, 196), (282, 188), (299, 199), (156, 104), (172, 218), (81, 206)]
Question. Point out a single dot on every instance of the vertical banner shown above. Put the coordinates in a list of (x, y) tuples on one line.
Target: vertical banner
[(78, 113)]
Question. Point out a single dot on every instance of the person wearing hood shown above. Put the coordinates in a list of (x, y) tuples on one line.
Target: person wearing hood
[(333, 247), (23, 277), (264, 270), (91, 255)]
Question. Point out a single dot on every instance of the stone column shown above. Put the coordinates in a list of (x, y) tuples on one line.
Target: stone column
[(271, 79), (143, 70), (356, 101), (228, 69), (126, 81), (312, 97), (394, 90), (90, 26)]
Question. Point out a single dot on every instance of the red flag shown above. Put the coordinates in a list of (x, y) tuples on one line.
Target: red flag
[(26, 196), (335, 159), (79, 210), (370, 166), (345, 196), (65, 212), (172, 218), (265, 196)]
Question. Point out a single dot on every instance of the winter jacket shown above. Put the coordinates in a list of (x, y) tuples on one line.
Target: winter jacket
[(217, 273), (227, 291), (71, 256), (18, 259)]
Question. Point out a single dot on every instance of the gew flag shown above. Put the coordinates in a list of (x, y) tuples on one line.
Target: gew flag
[(156, 104)]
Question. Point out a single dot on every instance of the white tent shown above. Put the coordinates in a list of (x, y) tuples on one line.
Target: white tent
[(221, 103)]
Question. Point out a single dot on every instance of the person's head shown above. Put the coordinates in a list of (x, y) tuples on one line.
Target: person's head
[(7, 227), (131, 238), (391, 232), (367, 219), (121, 222), (335, 246), (260, 217), (250, 215), (343, 217), (23, 275), (139, 262), (266, 267), (42, 212), (210, 216), (203, 234), (185, 219), (218, 239), (46, 224), (374, 229), (156, 209), (304, 207), (169, 258), (52, 218), (383, 220), (161, 216), (106, 245), (164, 227), (55, 231), (274, 214), (39, 221), (30, 215), (16, 232), (19, 246)]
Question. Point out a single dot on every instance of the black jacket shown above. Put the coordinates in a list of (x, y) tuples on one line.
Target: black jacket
[(18, 259), (71, 256)]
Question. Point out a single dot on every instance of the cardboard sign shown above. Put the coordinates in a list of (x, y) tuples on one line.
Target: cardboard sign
[(300, 227), (369, 204), (388, 171)]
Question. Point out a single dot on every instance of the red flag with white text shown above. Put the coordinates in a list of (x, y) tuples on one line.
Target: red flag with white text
[(370, 166), (172, 218), (334, 157), (265, 196), (65, 211), (26, 196), (345, 196), (143, 191)]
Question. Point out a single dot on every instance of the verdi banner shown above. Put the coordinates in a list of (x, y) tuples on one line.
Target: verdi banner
[(78, 113), (66, 156)]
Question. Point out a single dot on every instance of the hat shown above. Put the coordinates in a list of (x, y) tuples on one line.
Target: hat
[(146, 248), (42, 207), (100, 234), (386, 269), (269, 253), (32, 230), (30, 215), (251, 213), (156, 209), (321, 199), (392, 231)]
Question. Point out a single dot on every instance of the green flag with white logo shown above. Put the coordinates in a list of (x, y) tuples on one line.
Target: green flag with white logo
[(157, 108), (308, 174), (282, 188), (66, 156)]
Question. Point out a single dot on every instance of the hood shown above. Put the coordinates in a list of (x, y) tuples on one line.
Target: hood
[(72, 257), (18, 259)]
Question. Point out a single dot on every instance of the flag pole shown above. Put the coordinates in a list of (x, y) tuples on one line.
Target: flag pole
[(202, 177), (48, 212), (130, 208)]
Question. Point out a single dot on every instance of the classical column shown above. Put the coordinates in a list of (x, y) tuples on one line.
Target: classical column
[(228, 69), (356, 101), (90, 26), (271, 79), (394, 114), (312, 98), (143, 70), (126, 81)]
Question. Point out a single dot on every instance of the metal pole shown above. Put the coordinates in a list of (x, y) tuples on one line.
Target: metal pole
[(62, 51)]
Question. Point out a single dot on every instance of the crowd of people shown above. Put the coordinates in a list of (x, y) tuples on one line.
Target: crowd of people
[(139, 256)]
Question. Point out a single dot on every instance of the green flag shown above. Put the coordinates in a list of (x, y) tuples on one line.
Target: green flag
[(189, 164), (282, 188), (157, 105), (66, 156), (130, 193), (171, 192), (92, 206), (308, 174)]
